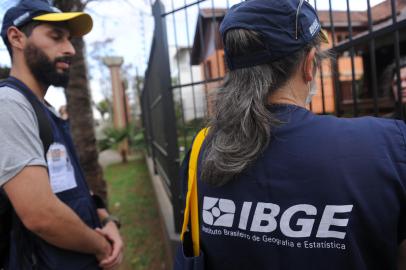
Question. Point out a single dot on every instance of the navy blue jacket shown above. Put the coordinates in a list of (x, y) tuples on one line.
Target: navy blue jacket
[(29, 252), (328, 193)]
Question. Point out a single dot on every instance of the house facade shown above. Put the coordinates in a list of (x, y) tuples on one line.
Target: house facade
[(207, 52), (193, 97)]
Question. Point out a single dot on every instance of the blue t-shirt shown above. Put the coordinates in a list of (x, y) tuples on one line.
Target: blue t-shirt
[(327, 193)]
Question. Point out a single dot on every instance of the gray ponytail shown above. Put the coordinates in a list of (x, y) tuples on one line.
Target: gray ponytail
[(240, 128)]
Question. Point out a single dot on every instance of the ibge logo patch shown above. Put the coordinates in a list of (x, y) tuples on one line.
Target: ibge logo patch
[(218, 212), (295, 221)]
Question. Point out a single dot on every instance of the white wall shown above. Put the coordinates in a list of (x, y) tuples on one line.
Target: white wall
[(193, 97)]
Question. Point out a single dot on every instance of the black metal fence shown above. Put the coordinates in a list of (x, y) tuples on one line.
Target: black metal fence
[(158, 113), (365, 78)]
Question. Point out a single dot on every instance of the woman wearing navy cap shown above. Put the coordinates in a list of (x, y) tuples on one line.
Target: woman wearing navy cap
[(280, 187)]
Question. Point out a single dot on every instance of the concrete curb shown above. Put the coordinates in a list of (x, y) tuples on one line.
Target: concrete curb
[(172, 239)]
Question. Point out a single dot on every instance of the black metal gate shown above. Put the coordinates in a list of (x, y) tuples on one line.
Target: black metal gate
[(364, 79), (158, 114)]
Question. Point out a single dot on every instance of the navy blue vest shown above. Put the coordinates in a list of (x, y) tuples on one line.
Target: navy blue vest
[(29, 251), (328, 193)]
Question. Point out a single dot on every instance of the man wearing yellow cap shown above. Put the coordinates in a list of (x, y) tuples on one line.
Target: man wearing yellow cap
[(54, 220)]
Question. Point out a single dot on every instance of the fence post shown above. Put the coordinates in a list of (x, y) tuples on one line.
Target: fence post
[(163, 75)]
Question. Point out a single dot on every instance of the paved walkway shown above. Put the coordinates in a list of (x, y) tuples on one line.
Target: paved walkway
[(108, 157)]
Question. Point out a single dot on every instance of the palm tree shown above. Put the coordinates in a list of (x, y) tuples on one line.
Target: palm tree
[(80, 110)]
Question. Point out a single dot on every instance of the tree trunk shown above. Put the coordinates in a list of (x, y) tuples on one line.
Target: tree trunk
[(82, 123), (80, 110)]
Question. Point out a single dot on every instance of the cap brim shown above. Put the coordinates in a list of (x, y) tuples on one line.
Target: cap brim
[(324, 36), (79, 23)]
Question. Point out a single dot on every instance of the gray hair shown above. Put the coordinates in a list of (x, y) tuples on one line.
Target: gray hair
[(240, 128)]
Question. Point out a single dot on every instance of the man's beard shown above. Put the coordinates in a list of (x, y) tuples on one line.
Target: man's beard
[(43, 69)]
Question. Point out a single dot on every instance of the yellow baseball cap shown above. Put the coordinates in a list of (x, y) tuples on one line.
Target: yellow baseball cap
[(79, 23)]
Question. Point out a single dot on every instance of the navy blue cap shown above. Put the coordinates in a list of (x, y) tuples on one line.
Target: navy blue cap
[(275, 21), (79, 23)]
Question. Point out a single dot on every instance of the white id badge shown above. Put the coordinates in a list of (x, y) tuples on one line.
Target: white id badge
[(61, 172)]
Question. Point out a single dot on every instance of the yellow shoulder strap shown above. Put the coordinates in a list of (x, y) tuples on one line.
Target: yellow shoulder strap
[(191, 197)]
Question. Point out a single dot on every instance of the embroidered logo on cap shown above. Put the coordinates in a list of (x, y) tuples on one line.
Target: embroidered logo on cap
[(314, 27), (21, 19)]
